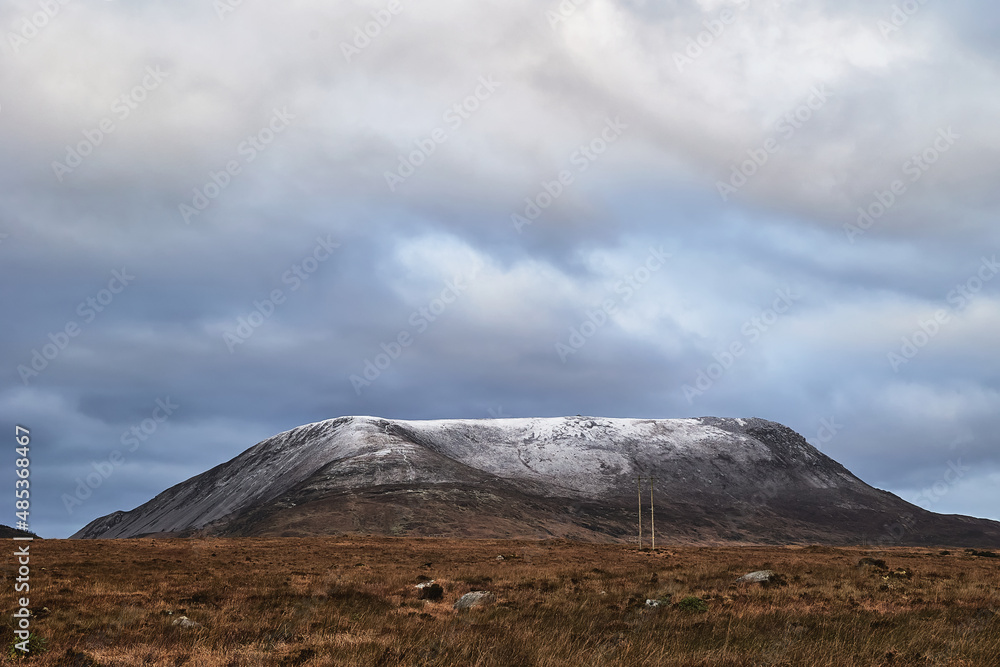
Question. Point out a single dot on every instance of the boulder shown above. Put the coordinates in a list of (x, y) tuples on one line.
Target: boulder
[(429, 590), (766, 578), (474, 599), (758, 577)]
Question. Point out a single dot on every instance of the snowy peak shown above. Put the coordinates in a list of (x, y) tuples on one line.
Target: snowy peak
[(715, 478)]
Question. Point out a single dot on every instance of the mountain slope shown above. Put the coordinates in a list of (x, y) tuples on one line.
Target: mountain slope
[(6, 533), (736, 480)]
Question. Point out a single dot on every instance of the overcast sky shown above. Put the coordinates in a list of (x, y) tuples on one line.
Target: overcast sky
[(219, 222)]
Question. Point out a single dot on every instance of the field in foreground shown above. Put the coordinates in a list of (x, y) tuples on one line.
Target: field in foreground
[(353, 601)]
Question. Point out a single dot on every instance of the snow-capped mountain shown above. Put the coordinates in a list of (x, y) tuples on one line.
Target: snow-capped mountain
[(714, 480)]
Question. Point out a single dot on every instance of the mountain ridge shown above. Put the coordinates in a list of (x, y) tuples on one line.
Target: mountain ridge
[(733, 480)]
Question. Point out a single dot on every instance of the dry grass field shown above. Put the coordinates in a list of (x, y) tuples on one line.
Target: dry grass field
[(353, 601)]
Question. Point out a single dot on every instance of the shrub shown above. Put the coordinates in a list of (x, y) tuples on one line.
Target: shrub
[(692, 604), (875, 563), (35, 646)]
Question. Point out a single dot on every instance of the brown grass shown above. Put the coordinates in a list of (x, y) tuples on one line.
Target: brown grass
[(352, 601)]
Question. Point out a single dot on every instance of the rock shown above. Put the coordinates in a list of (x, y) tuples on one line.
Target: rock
[(765, 578), (500, 558), (186, 622), (429, 590), (662, 601), (474, 599), (756, 577)]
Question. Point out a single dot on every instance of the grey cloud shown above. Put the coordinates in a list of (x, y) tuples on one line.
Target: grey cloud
[(494, 350)]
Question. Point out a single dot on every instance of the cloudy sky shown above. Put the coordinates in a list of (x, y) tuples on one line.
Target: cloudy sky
[(219, 221)]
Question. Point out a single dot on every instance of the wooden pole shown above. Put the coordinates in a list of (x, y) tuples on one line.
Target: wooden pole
[(638, 485), (652, 524)]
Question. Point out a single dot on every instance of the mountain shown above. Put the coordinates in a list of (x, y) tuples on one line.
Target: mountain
[(6, 533), (715, 480)]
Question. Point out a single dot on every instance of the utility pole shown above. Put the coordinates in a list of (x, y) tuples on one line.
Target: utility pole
[(638, 486), (652, 524)]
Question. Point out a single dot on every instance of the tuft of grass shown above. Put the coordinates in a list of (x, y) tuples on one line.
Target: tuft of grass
[(982, 554), (34, 644), (693, 604)]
